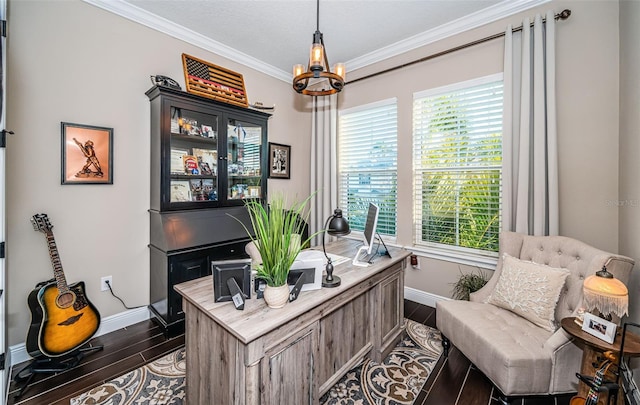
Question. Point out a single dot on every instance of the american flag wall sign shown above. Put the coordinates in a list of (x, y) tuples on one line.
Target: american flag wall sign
[(208, 80)]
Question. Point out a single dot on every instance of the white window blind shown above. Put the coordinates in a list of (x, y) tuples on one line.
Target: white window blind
[(457, 134), (367, 164)]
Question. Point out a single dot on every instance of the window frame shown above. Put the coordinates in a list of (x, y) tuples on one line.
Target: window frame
[(440, 251), (356, 234)]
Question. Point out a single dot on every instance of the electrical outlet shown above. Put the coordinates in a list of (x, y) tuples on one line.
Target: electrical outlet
[(103, 283)]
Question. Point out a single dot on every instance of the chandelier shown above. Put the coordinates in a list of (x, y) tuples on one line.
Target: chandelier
[(318, 69)]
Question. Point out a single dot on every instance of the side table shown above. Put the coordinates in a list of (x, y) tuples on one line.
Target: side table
[(593, 349)]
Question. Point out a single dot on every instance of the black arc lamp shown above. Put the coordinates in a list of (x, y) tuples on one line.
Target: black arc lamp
[(336, 225)]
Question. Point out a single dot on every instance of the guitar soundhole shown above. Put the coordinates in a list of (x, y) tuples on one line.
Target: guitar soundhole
[(65, 300)]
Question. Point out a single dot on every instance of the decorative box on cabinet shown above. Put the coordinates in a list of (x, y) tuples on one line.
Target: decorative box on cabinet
[(207, 158)]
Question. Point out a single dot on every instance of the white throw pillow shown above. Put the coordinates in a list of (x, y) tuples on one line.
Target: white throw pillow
[(530, 290)]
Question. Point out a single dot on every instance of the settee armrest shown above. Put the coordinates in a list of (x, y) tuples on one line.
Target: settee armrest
[(557, 340), (566, 359)]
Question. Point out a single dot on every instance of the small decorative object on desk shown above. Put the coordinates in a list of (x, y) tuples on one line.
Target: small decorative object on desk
[(598, 327)]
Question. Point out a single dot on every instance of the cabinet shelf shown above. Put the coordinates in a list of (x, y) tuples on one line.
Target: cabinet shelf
[(192, 176), (194, 138)]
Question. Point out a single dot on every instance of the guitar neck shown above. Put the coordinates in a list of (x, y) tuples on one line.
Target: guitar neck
[(61, 281), (592, 397)]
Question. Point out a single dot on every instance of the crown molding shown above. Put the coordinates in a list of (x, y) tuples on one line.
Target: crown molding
[(136, 14), (469, 22), (486, 16)]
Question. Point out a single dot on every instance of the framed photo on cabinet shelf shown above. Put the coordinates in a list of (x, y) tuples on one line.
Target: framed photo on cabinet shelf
[(254, 191), (177, 162), (279, 161), (180, 191), (87, 154), (207, 160)]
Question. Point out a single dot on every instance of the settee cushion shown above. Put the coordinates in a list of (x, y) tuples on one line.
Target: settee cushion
[(530, 290), (496, 339)]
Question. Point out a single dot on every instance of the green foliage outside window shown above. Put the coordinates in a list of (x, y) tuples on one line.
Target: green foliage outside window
[(460, 178)]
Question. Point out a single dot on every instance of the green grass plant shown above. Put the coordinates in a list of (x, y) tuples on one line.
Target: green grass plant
[(277, 236)]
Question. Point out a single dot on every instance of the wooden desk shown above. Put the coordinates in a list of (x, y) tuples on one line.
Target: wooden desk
[(592, 353), (295, 354)]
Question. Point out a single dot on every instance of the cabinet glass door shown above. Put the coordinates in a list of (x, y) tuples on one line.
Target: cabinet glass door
[(194, 156), (244, 160)]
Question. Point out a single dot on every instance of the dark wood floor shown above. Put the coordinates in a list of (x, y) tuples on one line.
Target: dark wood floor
[(454, 381), (124, 350)]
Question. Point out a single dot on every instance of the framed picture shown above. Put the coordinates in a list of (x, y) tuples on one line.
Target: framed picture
[(180, 191), (177, 160), (598, 327), (279, 161), (87, 154)]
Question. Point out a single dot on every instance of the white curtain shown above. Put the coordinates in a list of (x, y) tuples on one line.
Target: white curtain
[(530, 154), (324, 128)]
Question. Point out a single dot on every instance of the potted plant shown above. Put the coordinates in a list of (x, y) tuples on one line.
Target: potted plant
[(468, 283), (277, 231)]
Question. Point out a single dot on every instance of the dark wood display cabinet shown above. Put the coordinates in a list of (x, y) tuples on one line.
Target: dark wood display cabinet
[(207, 159)]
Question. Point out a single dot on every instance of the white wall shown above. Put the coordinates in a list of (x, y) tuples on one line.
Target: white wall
[(587, 106), (629, 200), (70, 61)]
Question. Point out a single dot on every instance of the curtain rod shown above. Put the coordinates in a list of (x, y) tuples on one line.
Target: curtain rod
[(563, 15)]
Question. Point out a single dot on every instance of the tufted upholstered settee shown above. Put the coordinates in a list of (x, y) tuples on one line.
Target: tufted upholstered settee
[(519, 357)]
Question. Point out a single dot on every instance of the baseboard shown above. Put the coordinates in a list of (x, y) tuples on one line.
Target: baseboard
[(422, 297), (18, 353)]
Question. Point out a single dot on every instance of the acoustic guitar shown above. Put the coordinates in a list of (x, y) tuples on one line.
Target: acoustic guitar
[(62, 318), (593, 395)]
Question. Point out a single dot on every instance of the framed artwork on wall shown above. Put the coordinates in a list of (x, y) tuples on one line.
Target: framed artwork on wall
[(87, 154), (279, 161)]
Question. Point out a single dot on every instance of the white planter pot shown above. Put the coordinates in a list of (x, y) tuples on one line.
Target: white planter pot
[(276, 297)]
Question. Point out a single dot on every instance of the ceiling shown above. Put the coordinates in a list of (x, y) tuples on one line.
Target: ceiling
[(273, 35)]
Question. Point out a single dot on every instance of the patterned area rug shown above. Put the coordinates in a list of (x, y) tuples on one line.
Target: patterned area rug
[(160, 382), (397, 381)]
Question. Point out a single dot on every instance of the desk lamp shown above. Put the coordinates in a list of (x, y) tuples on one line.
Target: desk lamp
[(336, 225), (604, 292)]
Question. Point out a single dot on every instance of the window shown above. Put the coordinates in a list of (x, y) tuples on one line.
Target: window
[(367, 163), (457, 132)]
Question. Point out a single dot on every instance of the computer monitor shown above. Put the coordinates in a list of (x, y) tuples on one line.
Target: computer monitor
[(369, 235)]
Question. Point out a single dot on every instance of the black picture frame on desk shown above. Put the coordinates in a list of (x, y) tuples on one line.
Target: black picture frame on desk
[(223, 270)]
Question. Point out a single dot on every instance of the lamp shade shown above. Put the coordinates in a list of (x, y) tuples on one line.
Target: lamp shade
[(338, 225), (606, 293)]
